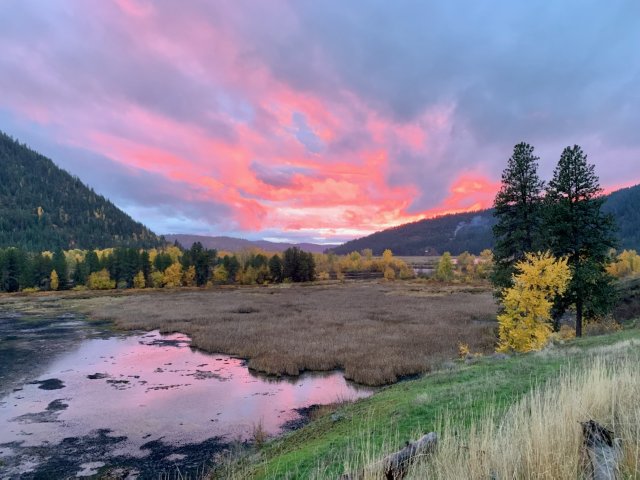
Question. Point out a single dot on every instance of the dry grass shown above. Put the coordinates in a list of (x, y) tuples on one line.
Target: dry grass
[(376, 331), (259, 434), (540, 436)]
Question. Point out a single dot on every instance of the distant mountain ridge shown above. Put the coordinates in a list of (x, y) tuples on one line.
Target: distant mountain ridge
[(472, 231), (232, 244), (43, 207)]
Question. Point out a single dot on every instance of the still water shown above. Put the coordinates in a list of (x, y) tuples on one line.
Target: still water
[(146, 403)]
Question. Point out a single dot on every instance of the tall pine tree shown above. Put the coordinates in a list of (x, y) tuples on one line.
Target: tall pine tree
[(517, 208), (576, 228), (60, 266)]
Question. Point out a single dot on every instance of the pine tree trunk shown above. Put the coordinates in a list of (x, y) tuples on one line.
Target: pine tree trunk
[(579, 317)]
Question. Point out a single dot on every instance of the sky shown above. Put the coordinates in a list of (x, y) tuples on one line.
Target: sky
[(316, 120)]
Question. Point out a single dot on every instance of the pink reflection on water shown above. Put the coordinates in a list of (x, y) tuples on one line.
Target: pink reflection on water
[(152, 386)]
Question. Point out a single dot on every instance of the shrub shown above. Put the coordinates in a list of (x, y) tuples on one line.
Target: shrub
[(389, 273), (189, 277), (601, 326), (220, 274), (566, 332), (101, 281), (406, 272), (157, 279), (138, 280), (444, 270), (323, 276)]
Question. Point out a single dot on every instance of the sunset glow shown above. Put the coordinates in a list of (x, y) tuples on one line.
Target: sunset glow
[(303, 120)]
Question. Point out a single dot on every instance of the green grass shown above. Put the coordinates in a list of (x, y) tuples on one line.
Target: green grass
[(399, 412)]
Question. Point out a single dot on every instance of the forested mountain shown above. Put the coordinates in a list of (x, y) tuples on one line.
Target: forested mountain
[(450, 233), (42, 207), (624, 205), (232, 244), (472, 231)]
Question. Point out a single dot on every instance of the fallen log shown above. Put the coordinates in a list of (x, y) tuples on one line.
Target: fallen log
[(601, 452), (395, 466)]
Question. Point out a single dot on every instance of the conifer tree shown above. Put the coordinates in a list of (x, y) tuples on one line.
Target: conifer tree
[(577, 228), (60, 266), (93, 262), (10, 270), (276, 269), (517, 208)]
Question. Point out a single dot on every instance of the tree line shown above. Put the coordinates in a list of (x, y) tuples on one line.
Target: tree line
[(170, 267), (173, 267)]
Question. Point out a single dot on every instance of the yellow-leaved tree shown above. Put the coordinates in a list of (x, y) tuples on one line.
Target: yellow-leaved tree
[(189, 277), (220, 274), (173, 276), (54, 281), (627, 263), (525, 323), (485, 264), (444, 269), (138, 280), (157, 279), (389, 273)]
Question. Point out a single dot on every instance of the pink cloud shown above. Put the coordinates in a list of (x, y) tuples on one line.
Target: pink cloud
[(186, 93)]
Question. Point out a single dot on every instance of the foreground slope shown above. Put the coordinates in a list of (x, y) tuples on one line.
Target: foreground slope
[(472, 231), (482, 391), (42, 207)]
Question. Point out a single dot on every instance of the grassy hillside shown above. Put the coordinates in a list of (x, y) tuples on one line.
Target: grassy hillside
[(484, 390), (472, 231), (42, 207)]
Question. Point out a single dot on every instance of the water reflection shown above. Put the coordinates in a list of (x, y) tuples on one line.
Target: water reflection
[(147, 387)]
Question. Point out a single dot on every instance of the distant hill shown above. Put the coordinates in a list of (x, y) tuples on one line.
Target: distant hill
[(232, 244), (42, 207), (472, 231), (449, 233), (624, 205)]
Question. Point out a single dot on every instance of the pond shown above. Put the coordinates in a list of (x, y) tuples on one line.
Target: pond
[(84, 400)]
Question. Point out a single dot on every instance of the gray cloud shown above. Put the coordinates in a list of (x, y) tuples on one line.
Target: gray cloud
[(537, 69), (550, 73), (277, 176)]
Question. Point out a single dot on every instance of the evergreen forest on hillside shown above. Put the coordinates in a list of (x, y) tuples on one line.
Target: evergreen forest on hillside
[(42, 207)]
